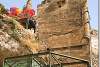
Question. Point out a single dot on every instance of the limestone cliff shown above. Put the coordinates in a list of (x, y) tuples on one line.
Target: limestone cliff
[(63, 25), (94, 48), (15, 40)]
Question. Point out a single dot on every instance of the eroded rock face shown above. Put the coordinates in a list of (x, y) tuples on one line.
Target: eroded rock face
[(94, 48), (60, 24), (15, 40), (10, 47)]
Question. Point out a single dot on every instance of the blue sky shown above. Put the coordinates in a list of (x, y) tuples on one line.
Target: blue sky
[(93, 11), (92, 5)]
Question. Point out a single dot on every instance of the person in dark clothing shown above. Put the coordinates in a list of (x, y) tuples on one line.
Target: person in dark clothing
[(28, 23), (32, 24)]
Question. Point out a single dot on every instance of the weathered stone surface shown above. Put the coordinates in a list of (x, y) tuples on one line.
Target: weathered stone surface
[(94, 49), (61, 25), (10, 47), (15, 40)]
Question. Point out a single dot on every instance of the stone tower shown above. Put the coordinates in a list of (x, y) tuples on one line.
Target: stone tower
[(64, 27)]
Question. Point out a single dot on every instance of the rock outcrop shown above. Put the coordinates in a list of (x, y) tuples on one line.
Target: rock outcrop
[(63, 26), (15, 40), (94, 49)]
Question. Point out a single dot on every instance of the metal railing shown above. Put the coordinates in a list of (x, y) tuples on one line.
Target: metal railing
[(45, 59)]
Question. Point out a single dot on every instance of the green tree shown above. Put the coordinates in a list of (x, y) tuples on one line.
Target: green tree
[(2, 9)]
